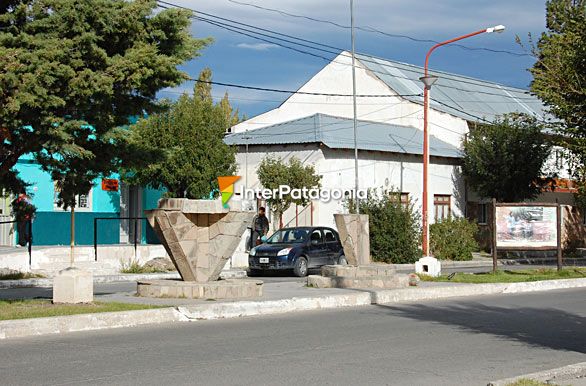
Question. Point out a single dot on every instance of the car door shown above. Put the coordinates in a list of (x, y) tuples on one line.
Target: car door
[(332, 245), (318, 251)]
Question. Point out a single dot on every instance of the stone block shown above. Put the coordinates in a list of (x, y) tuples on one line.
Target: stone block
[(355, 237), (319, 281), (73, 285)]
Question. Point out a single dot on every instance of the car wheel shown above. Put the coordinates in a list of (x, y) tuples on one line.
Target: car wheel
[(300, 268), (255, 272), (342, 260)]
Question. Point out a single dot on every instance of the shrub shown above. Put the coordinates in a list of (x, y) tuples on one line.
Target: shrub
[(133, 266), (394, 229), (453, 239)]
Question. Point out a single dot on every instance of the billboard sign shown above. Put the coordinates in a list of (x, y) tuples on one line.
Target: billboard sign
[(526, 227)]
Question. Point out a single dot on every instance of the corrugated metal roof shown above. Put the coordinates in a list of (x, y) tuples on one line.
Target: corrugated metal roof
[(467, 98), (338, 133)]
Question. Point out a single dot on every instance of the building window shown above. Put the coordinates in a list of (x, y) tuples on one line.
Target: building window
[(83, 202), (441, 203), (483, 213)]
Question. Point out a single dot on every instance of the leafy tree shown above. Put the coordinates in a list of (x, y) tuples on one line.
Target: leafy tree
[(66, 64), (505, 160), (274, 172), (191, 134), (453, 238), (559, 78), (395, 232)]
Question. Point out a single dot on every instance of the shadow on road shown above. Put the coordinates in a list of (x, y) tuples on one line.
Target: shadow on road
[(544, 327)]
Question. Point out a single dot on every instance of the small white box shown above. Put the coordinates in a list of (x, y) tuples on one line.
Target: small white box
[(428, 266)]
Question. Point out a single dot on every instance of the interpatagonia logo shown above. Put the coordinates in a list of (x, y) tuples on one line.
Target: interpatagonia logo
[(226, 184)]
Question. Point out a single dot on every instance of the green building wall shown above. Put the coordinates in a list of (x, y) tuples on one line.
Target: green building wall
[(51, 225)]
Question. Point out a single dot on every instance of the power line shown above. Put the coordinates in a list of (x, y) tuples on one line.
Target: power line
[(297, 91), (374, 30), (252, 33)]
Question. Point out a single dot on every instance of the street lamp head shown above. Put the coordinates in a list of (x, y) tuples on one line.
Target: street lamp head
[(428, 81), (497, 28)]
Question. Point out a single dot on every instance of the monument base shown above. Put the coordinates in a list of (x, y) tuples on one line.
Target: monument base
[(362, 276), (73, 285), (222, 289)]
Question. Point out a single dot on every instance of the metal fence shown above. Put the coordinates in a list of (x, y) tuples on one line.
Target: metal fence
[(29, 224), (135, 236), (7, 231)]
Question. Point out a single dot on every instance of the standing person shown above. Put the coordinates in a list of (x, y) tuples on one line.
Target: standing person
[(23, 210), (260, 227)]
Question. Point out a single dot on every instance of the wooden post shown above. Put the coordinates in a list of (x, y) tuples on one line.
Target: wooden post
[(559, 235), (494, 251)]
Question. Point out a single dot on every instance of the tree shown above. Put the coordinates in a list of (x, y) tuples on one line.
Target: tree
[(66, 64), (274, 172), (559, 78), (505, 160), (191, 133)]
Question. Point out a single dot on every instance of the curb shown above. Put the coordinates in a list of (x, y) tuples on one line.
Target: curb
[(561, 374), (48, 282), (86, 322), (20, 328)]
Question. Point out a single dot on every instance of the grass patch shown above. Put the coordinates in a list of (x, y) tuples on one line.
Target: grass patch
[(133, 266), (510, 276), (36, 308), (20, 276), (529, 382)]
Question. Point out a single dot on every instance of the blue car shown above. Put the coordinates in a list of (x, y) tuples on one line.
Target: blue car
[(297, 249)]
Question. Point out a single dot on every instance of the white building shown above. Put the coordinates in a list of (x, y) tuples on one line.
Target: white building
[(317, 129)]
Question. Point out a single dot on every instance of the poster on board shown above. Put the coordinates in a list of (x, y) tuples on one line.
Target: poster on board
[(526, 227)]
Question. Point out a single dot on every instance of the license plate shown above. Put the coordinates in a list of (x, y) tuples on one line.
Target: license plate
[(263, 260)]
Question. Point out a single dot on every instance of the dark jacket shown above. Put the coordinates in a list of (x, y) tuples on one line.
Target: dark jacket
[(260, 224)]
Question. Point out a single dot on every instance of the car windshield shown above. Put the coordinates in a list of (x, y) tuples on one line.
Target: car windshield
[(288, 236)]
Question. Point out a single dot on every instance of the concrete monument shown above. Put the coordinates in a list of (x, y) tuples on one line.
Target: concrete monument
[(199, 236)]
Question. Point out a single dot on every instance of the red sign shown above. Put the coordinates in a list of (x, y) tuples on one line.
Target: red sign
[(110, 185)]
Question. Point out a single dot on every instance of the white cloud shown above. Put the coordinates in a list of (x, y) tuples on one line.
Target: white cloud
[(257, 46)]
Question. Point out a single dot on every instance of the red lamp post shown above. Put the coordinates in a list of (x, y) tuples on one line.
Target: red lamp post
[(428, 81)]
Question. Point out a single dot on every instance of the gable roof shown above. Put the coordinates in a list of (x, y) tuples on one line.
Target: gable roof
[(338, 133), (468, 98)]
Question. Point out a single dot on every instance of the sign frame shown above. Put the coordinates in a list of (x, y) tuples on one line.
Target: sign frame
[(557, 247)]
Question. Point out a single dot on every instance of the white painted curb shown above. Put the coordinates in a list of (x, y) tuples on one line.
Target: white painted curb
[(560, 375), (252, 308), (87, 322)]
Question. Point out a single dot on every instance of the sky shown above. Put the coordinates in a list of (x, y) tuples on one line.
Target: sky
[(239, 59)]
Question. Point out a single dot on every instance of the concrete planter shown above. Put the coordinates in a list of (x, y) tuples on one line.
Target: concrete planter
[(199, 235)]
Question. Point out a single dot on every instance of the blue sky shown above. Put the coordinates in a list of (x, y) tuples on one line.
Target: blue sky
[(240, 59)]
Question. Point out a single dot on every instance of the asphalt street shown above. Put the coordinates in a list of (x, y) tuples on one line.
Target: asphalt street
[(466, 341)]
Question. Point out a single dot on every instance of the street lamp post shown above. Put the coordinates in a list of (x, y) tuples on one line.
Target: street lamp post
[(428, 81)]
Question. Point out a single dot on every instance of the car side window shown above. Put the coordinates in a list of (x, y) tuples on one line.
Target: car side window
[(330, 236), (316, 237)]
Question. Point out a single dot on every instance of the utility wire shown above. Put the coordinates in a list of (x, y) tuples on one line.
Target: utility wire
[(298, 92), (252, 33), (374, 30)]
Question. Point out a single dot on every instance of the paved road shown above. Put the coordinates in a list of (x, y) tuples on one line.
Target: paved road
[(467, 341)]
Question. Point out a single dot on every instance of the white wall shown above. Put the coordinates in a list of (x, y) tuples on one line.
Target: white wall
[(336, 78), (388, 170), (376, 170)]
